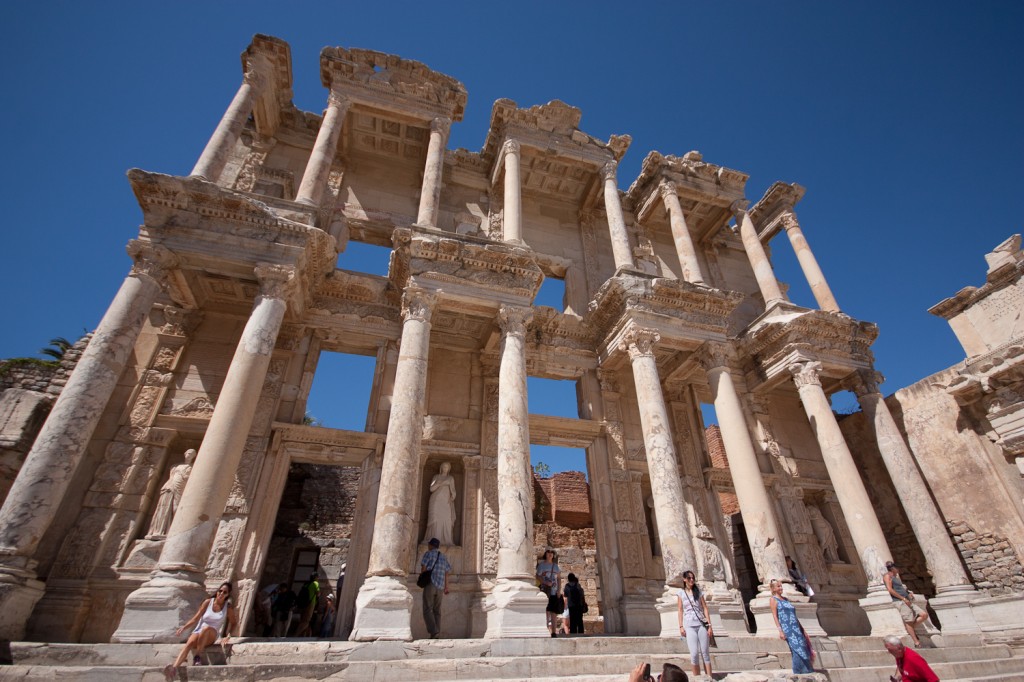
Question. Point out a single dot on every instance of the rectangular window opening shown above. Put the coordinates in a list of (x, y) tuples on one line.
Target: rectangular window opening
[(340, 395), (552, 293), (366, 258)]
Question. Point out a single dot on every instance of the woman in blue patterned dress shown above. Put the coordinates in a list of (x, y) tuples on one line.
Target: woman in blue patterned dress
[(790, 630)]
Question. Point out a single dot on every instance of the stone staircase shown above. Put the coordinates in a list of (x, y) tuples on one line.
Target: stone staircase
[(595, 659)]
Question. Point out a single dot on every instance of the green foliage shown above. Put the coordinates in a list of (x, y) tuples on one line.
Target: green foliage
[(542, 470), (57, 348), (6, 366)]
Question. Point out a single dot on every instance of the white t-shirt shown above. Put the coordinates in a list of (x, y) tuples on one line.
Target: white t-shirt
[(548, 573)]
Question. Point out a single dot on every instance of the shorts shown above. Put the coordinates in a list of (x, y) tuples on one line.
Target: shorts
[(553, 605), (909, 613)]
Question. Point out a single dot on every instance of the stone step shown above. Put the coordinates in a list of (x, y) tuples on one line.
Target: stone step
[(1008, 668)]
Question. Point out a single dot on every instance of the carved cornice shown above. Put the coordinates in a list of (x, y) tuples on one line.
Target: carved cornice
[(968, 296), (377, 77), (778, 201), (710, 182)]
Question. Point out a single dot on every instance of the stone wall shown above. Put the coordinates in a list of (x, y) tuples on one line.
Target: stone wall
[(563, 498), (719, 460), (990, 559)]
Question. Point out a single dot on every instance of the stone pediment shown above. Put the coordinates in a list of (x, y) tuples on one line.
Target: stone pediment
[(378, 77)]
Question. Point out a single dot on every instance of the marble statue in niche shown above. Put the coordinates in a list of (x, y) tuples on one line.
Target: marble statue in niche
[(170, 495), (441, 508)]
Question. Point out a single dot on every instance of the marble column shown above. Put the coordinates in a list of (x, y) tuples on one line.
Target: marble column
[(758, 257), (867, 534), (314, 180), (759, 521), (616, 223), (430, 192), (515, 607), (51, 463), (215, 156), (512, 220), (176, 588), (952, 585), (384, 603), (688, 263), (809, 264)]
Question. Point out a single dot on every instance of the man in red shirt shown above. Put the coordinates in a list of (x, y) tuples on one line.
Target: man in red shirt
[(910, 667)]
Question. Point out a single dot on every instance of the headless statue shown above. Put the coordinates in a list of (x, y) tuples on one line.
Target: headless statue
[(441, 508), (170, 495), (826, 536)]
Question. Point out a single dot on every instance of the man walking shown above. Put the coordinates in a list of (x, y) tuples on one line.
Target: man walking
[(910, 667), (437, 563)]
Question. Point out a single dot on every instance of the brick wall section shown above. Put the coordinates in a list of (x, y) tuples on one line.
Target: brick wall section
[(563, 498), (990, 559), (719, 460)]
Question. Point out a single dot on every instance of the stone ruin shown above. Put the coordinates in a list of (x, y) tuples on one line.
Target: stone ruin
[(240, 281)]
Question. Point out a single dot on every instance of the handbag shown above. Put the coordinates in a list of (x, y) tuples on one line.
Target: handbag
[(585, 608), (424, 578)]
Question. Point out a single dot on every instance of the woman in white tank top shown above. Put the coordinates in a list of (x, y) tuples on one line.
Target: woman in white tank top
[(206, 624)]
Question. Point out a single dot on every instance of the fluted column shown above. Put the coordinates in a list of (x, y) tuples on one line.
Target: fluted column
[(384, 603), (688, 263), (430, 192), (512, 221), (809, 264), (865, 530), (50, 465), (314, 180), (177, 586), (214, 157), (616, 223), (757, 256), (514, 608), (952, 584), (662, 464)]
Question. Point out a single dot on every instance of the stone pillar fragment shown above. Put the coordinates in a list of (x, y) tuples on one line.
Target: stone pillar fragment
[(616, 223), (430, 193), (809, 264), (215, 156), (51, 463), (513, 217), (515, 607), (384, 603), (759, 522), (689, 265), (314, 180), (172, 594), (758, 257), (952, 585)]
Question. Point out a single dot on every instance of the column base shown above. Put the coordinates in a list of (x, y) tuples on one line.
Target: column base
[(953, 607), (383, 611), (806, 612), (20, 591), (728, 616), (155, 611), (515, 608), (640, 619), (882, 613), (668, 613)]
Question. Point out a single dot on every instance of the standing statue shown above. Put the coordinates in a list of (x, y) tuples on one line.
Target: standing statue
[(170, 495), (823, 531), (441, 509)]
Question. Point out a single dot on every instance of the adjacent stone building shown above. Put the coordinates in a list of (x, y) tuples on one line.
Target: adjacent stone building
[(240, 281)]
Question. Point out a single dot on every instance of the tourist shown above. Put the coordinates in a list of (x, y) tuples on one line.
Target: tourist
[(441, 507), (305, 602), (327, 622), (549, 577), (262, 607), (799, 579), (695, 623), (669, 673), (436, 562), (912, 614), (791, 630), (910, 667), (281, 610), (575, 601), (208, 622)]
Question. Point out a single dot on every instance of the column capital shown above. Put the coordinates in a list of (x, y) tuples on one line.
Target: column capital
[(276, 281), (510, 147), (418, 305), (336, 98), (609, 170), (667, 189), (713, 356), (739, 207), (440, 124), (788, 221), (640, 342), (150, 259), (864, 382), (255, 79), (513, 319), (806, 373)]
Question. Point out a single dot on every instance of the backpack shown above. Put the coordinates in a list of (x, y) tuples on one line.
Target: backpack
[(304, 598)]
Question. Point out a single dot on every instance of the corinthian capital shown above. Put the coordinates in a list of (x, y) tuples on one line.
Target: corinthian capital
[(667, 189), (513, 319), (338, 99), (713, 356), (150, 260), (608, 171), (640, 342), (864, 382), (255, 78), (418, 305), (806, 373), (510, 147), (276, 281), (440, 125), (788, 221), (739, 207)]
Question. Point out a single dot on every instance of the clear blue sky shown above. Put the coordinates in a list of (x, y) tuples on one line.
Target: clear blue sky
[(902, 119)]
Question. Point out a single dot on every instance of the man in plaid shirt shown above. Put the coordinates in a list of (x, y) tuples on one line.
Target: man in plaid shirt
[(437, 563)]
